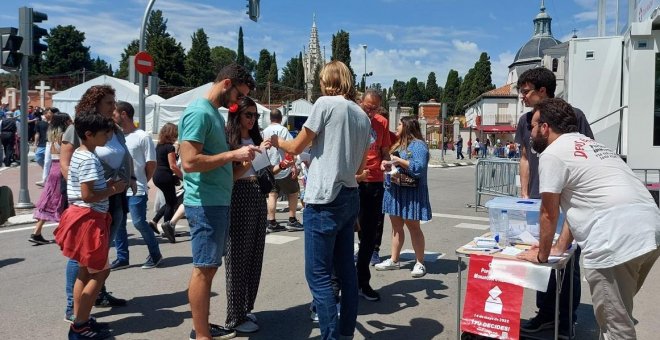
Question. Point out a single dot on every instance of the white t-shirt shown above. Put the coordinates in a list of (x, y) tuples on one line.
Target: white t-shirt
[(250, 171), (85, 167), (611, 214), (342, 138), (277, 155), (142, 150), (112, 153)]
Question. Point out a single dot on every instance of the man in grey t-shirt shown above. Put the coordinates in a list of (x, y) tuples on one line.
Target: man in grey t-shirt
[(338, 130)]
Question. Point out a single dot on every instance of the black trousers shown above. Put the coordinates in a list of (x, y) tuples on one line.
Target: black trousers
[(371, 221), (546, 301), (166, 182), (8, 143)]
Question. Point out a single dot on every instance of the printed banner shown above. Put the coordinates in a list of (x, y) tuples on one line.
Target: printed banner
[(491, 308)]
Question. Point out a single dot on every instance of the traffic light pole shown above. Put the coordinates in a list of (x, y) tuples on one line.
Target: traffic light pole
[(142, 97), (24, 193)]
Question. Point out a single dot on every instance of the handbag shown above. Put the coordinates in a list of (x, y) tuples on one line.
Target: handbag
[(403, 180), (266, 180)]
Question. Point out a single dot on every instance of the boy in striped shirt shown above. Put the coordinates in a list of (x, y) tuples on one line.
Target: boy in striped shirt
[(84, 227)]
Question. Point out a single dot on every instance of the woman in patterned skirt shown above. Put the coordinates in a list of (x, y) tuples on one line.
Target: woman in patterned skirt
[(407, 204), (51, 202), (247, 230)]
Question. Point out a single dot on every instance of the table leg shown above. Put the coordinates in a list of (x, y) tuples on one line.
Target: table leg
[(557, 292), (458, 298), (570, 298)]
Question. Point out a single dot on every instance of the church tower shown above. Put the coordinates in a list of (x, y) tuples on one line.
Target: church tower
[(530, 55), (312, 58)]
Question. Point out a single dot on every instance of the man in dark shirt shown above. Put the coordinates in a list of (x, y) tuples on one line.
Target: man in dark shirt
[(40, 139), (534, 85)]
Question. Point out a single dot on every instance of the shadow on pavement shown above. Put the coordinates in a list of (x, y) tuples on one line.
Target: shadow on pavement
[(297, 324), (155, 310), (398, 296), (7, 262), (419, 328), (175, 261), (444, 266)]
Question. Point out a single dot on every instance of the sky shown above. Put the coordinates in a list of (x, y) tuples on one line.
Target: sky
[(404, 38)]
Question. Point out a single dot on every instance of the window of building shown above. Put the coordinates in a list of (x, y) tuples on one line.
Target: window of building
[(656, 106), (503, 116), (590, 55), (555, 65)]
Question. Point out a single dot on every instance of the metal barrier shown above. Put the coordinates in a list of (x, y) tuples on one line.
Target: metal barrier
[(495, 177)]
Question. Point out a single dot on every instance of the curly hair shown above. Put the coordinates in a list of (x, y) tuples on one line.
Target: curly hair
[(558, 114), (168, 134), (92, 97), (233, 127)]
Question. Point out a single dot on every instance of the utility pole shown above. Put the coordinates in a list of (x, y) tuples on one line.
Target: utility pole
[(443, 116), (364, 76)]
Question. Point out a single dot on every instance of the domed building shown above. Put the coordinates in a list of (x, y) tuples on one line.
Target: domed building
[(530, 54)]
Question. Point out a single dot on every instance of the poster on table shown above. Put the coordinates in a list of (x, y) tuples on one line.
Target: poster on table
[(492, 308)]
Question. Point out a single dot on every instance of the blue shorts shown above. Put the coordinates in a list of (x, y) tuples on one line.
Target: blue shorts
[(209, 226)]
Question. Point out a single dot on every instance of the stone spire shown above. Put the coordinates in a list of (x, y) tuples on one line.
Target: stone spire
[(312, 57), (542, 22)]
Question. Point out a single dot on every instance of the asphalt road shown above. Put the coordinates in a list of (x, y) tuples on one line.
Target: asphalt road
[(32, 282)]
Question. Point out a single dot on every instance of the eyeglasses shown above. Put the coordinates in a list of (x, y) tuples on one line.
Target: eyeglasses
[(370, 108), (525, 92), (250, 115), (240, 94)]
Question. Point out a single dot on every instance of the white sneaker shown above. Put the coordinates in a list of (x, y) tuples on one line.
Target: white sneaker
[(419, 270), (387, 265), (247, 327)]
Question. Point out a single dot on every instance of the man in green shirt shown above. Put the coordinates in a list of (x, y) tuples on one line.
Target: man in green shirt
[(207, 165)]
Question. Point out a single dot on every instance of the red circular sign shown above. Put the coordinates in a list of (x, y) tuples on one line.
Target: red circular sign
[(144, 63)]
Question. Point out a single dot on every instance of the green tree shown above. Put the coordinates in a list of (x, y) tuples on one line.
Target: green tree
[(413, 94), (221, 57), (100, 66), (198, 60), (476, 82), (300, 74), (341, 49), (451, 91), (272, 72), (433, 91), (466, 92), (156, 26), (422, 90), (316, 85), (263, 67), (240, 58), (131, 49), (398, 89), (290, 74), (168, 54), (66, 51)]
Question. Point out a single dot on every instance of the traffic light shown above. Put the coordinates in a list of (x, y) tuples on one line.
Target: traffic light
[(10, 44), (32, 33), (253, 10)]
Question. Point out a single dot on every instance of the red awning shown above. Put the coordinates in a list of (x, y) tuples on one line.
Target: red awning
[(496, 128)]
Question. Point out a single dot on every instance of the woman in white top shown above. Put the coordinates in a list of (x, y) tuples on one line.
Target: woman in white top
[(247, 230), (51, 202)]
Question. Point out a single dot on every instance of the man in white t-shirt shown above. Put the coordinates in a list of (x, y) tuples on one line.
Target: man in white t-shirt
[(601, 197), (142, 150), (286, 181)]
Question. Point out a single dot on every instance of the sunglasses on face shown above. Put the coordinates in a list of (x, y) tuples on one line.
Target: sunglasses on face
[(250, 115)]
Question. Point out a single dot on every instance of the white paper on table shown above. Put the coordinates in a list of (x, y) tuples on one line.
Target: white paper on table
[(521, 273), (511, 251), (260, 160), (527, 238)]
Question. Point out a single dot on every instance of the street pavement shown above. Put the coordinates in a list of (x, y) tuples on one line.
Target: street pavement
[(32, 295)]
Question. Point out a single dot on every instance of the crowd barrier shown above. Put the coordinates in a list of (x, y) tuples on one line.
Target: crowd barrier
[(495, 177)]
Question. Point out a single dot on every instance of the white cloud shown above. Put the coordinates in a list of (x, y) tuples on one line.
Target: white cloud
[(389, 36), (464, 46), (500, 67), (586, 16)]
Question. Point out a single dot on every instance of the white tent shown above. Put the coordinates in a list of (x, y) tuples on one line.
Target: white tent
[(171, 109), (126, 91), (299, 108)]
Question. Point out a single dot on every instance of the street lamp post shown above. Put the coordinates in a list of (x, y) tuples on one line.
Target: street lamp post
[(364, 76)]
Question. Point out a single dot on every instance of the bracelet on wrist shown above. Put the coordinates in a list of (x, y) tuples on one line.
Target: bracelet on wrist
[(539, 259)]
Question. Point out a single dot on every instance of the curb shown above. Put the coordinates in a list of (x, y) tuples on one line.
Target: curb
[(20, 219), (450, 164)]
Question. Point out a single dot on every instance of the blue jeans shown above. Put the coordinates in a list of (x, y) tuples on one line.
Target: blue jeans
[(137, 206), (118, 220), (209, 226), (39, 154), (329, 238)]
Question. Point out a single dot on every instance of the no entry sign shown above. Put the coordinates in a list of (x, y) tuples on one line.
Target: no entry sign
[(491, 308), (144, 63)]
